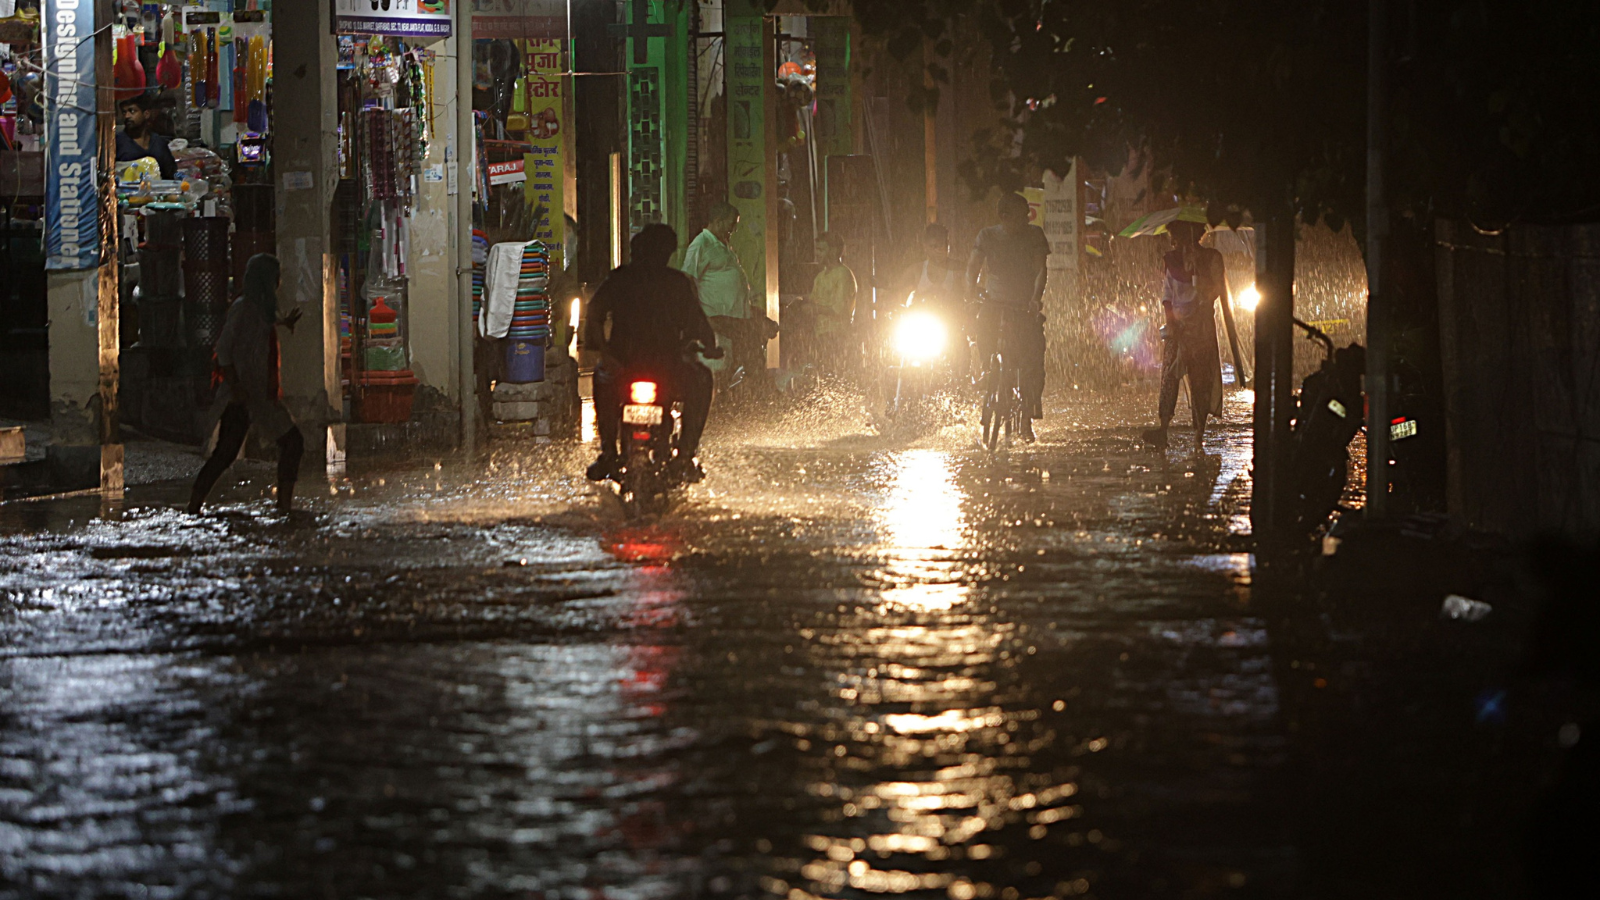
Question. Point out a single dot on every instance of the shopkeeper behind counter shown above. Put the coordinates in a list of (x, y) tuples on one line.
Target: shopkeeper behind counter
[(137, 139)]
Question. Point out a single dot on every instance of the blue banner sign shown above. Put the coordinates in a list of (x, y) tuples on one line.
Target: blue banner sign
[(72, 203)]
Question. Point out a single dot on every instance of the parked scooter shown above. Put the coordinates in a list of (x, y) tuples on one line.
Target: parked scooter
[(1330, 410)]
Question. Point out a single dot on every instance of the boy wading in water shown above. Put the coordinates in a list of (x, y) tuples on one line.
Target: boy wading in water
[(247, 353)]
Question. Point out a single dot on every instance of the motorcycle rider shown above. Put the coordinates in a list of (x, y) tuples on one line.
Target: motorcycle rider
[(1010, 258), (654, 313), (938, 281), (936, 276)]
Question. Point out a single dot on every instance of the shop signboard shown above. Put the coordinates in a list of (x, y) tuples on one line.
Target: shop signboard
[(1057, 208), (392, 18), (545, 171), (833, 125), (72, 204), (508, 172), (1063, 219), (747, 76), (518, 19)]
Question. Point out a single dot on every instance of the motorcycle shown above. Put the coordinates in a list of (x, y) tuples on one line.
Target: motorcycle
[(649, 471), (1416, 441), (1330, 410), (922, 354)]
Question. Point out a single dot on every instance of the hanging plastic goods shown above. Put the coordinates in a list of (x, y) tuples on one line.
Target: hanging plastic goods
[(169, 74), (379, 158), (256, 78), (213, 86), (427, 100), (197, 66), (127, 73), (241, 78)]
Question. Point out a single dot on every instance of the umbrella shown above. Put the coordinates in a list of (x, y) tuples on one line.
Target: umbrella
[(1157, 222)]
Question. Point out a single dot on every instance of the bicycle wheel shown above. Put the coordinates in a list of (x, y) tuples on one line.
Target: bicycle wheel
[(992, 425), (994, 404), (1014, 419)]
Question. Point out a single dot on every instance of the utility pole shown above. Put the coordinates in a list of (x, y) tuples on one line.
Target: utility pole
[(1378, 318), (466, 156), (1274, 375), (108, 295)]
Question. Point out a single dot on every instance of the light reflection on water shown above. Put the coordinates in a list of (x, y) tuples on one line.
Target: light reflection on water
[(928, 764), (923, 521), (587, 432), (1237, 452)]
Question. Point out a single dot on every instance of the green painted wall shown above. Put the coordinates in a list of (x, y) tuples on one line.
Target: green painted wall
[(658, 117), (748, 182)]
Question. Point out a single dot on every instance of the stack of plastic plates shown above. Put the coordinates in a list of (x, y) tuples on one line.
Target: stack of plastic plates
[(530, 318), (480, 261)]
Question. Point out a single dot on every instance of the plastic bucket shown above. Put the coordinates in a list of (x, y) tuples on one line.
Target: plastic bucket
[(524, 361), (385, 397)]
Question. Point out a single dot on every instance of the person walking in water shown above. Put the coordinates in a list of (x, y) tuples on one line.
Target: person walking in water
[(1194, 279), (247, 354)]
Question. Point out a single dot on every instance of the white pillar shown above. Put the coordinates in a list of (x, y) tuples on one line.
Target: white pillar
[(433, 290), (305, 121)]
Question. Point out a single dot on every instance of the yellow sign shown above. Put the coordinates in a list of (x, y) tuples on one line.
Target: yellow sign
[(545, 84)]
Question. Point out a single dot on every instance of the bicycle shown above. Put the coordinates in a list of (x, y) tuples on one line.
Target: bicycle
[(1002, 383)]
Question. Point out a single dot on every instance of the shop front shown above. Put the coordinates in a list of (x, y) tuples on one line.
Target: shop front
[(192, 88)]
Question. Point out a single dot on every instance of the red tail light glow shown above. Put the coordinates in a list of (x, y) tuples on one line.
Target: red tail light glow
[(643, 392)]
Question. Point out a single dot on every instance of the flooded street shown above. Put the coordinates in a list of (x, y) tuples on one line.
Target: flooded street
[(845, 666)]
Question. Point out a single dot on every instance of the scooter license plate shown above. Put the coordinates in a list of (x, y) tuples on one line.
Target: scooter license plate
[(639, 414)]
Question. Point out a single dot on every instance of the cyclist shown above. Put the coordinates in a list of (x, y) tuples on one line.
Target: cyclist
[(1007, 268)]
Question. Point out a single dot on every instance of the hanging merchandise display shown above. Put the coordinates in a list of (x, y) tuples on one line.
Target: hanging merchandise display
[(126, 71), (213, 85), (385, 116), (169, 73)]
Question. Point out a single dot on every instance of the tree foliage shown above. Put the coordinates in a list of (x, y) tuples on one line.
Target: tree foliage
[(1262, 103)]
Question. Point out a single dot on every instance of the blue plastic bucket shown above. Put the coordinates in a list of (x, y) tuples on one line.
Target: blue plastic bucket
[(524, 361)]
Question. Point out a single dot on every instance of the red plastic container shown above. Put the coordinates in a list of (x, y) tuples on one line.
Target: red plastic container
[(385, 396)]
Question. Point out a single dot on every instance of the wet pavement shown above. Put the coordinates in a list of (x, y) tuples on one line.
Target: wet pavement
[(847, 665)]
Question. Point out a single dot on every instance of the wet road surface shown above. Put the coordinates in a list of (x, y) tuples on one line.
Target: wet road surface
[(846, 666)]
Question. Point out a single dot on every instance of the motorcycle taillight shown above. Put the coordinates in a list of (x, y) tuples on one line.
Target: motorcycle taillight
[(643, 392)]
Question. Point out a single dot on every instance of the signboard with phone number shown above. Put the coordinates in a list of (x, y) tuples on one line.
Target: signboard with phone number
[(392, 18)]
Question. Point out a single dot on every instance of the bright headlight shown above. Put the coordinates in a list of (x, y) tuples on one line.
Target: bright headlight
[(919, 336), (1249, 298)]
